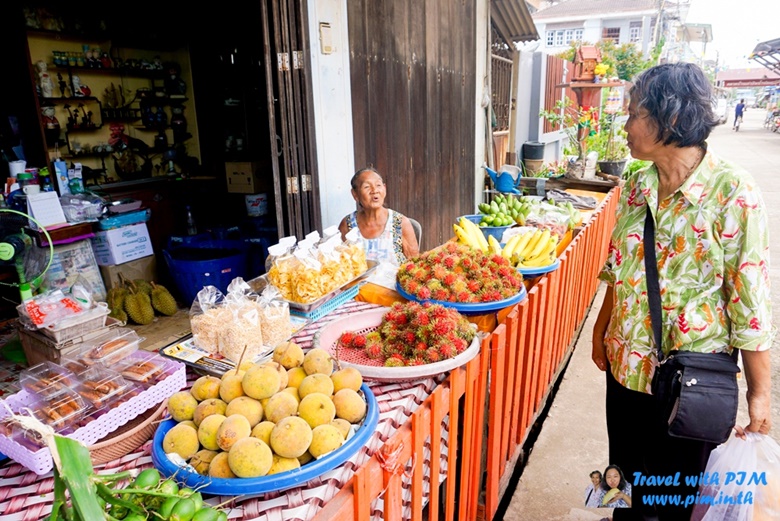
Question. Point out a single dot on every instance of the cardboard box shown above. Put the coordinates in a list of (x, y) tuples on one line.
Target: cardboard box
[(145, 268), (122, 245), (243, 177)]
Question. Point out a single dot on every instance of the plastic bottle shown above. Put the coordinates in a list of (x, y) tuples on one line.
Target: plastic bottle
[(45, 180), (192, 229)]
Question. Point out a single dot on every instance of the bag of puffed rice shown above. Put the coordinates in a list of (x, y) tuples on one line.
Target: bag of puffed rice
[(275, 317)]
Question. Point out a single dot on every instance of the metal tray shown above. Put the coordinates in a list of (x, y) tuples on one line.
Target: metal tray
[(258, 284)]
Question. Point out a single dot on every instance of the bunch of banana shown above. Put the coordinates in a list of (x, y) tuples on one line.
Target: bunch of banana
[(470, 234), (531, 250)]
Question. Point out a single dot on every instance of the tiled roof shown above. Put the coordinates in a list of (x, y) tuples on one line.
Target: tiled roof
[(586, 8)]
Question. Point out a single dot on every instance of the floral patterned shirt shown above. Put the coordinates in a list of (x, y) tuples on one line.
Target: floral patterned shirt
[(712, 249)]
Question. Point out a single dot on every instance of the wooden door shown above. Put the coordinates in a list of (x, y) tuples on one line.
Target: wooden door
[(288, 84)]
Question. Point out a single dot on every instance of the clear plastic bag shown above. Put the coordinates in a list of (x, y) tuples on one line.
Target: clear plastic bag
[(275, 317), (743, 481), (353, 255), (546, 215)]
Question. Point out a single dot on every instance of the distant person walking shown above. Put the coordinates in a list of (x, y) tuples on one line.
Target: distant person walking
[(739, 110)]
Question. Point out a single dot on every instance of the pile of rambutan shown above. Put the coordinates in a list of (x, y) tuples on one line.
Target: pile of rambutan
[(414, 334), (454, 272)]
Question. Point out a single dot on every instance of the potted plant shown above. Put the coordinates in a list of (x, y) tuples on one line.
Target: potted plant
[(574, 123), (611, 145)]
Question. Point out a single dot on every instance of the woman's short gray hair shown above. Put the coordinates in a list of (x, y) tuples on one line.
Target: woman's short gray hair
[(354, 180), (678, 97)]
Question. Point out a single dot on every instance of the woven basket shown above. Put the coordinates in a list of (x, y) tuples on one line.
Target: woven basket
[(127, 438)]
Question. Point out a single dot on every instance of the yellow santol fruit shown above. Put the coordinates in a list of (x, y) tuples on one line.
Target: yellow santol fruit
[(304, 458), (292, 391), (246, 407), (324, 439), (315, 383), (230, 388), (262, 381), (246, 365), (347, 378), (317, 409), (349, 405), (189, 423), (289, 354), (220, 468), (207, 408), (343, 426), (281, 464), (201, 461), (234, 428), (282, 374), (207, 431), (242, 369), (291, 437), (317, 360), (205, 387), (295, 376), (280, 405), (182, 440), (181, 406), (250, 458), (262, 431)]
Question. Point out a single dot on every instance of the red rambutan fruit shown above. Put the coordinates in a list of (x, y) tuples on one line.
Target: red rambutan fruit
[(359, 341), (374, 350), (346, 338)]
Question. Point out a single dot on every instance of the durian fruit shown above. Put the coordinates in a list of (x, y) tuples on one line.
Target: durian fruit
[(162, 300), (115, 298), (143, 285), (138, 307)]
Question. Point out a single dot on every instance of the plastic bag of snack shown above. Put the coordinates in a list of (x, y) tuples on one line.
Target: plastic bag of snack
[(284, 245), (241, 334), (307, 275), (275, 317), (545, 215), (49, 308), (353, 254), (207, 314), (332, 272)]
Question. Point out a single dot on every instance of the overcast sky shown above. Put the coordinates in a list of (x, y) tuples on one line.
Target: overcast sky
[(737, 26)]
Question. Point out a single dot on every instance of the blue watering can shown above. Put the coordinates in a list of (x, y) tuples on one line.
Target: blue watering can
[(508, 180)]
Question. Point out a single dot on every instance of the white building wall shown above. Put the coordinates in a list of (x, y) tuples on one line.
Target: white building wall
[(332, 110)]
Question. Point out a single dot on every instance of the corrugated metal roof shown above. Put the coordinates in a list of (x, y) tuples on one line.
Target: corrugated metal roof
[(584, 8), (513, 20)]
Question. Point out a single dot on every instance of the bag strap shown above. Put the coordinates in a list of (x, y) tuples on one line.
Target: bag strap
[(653, 286)]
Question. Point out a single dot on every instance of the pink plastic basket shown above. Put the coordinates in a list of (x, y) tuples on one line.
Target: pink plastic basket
[(40, 461)]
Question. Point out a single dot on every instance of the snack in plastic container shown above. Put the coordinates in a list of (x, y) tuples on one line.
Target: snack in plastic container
[(107, 349), (144, 367), (63, 410), (275, 317), (47, 380), (101, 386), (48, 308)]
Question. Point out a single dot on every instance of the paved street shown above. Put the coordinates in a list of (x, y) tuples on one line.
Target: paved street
[(573, 439)]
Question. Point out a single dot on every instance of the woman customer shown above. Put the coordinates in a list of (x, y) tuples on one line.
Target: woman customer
[(614, 480), (387, 236), (712, 251), (592, 490)]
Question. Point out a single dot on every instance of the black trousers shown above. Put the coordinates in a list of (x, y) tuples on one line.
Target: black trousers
[(639, 443)]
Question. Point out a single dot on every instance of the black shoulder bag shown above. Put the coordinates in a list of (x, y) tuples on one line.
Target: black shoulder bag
[(697, 393)]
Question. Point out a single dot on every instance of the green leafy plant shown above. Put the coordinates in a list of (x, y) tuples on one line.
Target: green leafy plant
[(571, 121), (634, 166), (610, 142)]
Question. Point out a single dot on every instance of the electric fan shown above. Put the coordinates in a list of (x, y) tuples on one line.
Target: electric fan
[(18, 249)]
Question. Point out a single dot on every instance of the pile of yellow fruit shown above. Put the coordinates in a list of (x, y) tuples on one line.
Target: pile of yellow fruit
[(263, 419)]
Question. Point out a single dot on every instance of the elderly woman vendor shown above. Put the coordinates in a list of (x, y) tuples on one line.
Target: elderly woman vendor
[(712, 252), (387, 236)]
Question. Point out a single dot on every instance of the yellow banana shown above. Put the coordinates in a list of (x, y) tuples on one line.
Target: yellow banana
[(538, 262), (462, 235), (495, 246), (541, 243), (509, 246), (530, 245), (547, 250), (473, 239), (523, 243), (476, 233)]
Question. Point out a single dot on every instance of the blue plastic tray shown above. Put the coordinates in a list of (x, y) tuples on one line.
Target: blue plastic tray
[(476, 308), (533, 272), (275, 482), (328, 306)]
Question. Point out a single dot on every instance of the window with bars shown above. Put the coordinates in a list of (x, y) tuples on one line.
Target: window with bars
[(559, 37), (611, 33), (550, 38), (578, 35), (635, 32)]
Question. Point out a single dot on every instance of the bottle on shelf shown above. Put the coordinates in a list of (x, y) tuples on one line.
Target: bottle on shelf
[(192, 229), (45, 180)]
